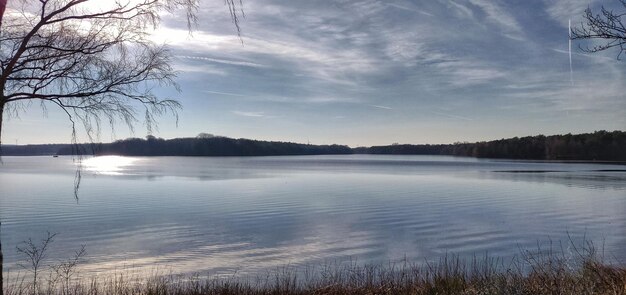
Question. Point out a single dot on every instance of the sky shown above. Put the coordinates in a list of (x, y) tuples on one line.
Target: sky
[(376, 72)]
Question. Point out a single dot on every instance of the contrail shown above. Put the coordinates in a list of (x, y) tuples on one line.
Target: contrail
[(571, 69)]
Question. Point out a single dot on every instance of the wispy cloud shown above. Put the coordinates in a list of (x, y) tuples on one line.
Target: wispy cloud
[(563, 10), (467, 72), (416, 54), (224, 93), (223, 61), (448, 115), (591, 96), (593, 56), (203, 69), (315, 61), (395, 5), (502, 17), (459, 8), (249, 114), (380, 107)]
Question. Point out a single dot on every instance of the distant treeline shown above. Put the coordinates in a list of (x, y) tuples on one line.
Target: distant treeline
[(204, 146), (597, 146), (33, 149)]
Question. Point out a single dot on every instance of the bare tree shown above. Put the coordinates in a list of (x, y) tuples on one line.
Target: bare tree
[(93, 59), (34, 255), (66, 270), (607, 26)]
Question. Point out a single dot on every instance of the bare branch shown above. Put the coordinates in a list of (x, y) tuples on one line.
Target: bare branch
[(607, 26), (94, 64)]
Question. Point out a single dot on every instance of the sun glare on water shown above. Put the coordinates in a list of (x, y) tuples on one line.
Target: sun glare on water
[(109, 165)]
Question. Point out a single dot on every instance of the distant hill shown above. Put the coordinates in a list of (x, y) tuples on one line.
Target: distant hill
[(597, 146)]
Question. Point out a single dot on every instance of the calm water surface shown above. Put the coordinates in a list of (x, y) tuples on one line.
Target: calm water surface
[(251, 214)]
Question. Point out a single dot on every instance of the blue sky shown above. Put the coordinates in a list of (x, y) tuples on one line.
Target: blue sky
[(377, 72)]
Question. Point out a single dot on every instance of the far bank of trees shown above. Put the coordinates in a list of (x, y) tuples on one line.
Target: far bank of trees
[(597, 146), (205, 146)]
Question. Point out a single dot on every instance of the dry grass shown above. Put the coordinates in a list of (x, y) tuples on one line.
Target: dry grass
[(575, 271)]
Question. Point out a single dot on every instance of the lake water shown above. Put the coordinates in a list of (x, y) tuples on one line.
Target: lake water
[(245, 215)]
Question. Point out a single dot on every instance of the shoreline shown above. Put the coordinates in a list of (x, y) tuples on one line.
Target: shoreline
[(533, 272)]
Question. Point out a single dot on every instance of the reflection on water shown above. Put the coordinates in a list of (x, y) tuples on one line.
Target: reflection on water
[(108, 165), (584, 179), (250, 214)]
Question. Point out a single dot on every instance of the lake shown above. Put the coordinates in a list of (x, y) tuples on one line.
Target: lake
[(251, 214)]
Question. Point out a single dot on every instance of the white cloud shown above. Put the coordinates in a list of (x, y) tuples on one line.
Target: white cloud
[(563, 10), (467, 73), (395, 5), (499, 15), (460, 9), (224, 93), (551, 90), (317, 60), (199, 68), (452, 116), (336, 60), (380, 107), (250, 114), (593, 56), (224, 61)]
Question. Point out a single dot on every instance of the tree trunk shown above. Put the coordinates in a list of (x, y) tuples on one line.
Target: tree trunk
[(1, 256), (3, 5)]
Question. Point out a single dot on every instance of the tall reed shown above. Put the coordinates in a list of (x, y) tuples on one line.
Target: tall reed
[(551, 270)]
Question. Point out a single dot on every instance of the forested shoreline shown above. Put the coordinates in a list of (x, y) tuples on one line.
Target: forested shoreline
[(597, 146), (201, 146)]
